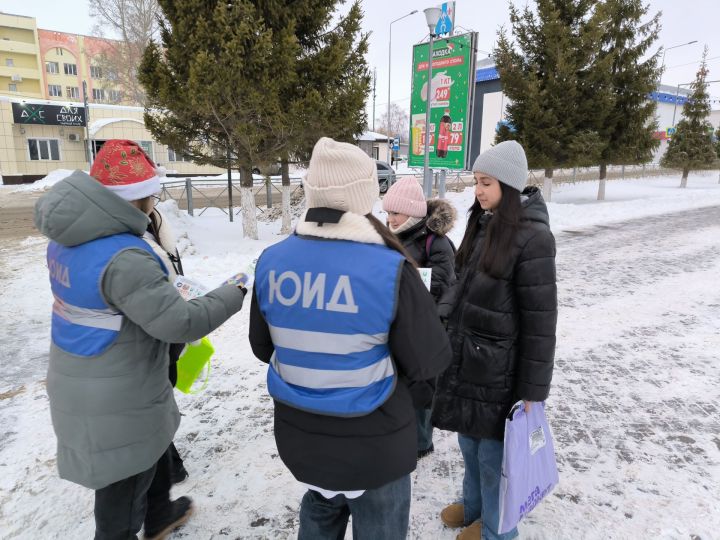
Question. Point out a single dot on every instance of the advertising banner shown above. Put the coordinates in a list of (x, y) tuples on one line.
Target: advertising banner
[(451, 89), (48, 115)]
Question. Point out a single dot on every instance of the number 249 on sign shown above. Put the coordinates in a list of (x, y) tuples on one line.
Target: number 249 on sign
[(442, 93)]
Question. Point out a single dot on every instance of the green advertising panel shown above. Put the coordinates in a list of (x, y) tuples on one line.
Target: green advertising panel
[(453, 80)]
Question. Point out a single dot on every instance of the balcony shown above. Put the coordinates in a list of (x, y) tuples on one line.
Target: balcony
[(7, 45)]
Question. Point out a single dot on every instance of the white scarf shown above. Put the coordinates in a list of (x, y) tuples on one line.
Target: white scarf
[(351, 226)]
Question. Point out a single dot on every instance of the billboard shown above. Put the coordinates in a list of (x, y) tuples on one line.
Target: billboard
[(451, 89), (48, 115)]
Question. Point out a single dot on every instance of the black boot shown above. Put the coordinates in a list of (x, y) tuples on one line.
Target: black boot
[(159, 524), (426, 452), (178, 473)]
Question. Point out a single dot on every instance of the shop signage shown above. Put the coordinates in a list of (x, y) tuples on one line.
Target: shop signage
[(48, 115)]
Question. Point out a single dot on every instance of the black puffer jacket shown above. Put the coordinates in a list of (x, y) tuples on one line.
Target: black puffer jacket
[(440, 256), (439, 221), (502, 331), (362, 452)]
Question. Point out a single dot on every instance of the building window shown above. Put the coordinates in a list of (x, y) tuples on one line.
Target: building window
[(55, 90), (70, 69), (98, 94), (96, 72), (9, 62), (72, 92), (44, 149), (12, 87), (176, 156), (111, 75), (58, 51), (114, 96), (52, 67), (147, 148)]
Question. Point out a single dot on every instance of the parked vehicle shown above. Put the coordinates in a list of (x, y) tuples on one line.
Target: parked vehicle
[(274, 169), (386, 175)]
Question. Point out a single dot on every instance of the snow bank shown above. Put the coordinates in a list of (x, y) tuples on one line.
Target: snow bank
[(45, 183), (634, 329)]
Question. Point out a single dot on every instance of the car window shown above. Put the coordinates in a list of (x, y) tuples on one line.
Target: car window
[(381, 166)]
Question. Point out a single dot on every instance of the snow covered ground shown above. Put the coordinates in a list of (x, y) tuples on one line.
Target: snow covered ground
[(634, 406)]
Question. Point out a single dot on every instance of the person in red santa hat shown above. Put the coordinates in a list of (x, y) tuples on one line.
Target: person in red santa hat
[(114, 316)]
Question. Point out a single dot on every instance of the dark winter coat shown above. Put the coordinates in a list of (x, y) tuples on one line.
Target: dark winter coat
[(440, 256), (502, 331), (366, 452), (439, 221)]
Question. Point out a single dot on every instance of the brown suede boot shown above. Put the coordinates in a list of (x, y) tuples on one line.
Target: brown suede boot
[(471, 532), (453, 515)]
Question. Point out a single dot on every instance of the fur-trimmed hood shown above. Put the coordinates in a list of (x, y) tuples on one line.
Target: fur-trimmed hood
[(441, 216)]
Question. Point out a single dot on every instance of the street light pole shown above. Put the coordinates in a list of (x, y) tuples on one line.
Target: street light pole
[(678, 92), (662, 65), (432, 15), (413, 12)]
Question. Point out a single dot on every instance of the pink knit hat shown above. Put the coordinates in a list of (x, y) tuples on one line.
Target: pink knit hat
[(406, 197)]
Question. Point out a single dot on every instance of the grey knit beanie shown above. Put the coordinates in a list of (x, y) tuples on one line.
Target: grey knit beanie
[(506, 162)]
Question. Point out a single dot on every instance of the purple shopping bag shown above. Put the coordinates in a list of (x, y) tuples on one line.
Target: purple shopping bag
[(529, 472)]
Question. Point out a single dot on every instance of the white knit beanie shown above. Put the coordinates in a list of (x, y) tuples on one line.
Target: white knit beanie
[(505, 161), (341, 176)]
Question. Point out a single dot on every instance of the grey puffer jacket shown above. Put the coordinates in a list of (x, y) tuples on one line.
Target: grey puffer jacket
[(114, 414)]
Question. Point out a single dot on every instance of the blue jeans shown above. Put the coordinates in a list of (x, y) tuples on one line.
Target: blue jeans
[(481, 485), (424, 429), (378, 514)]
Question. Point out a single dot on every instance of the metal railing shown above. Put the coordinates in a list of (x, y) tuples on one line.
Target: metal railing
[(201, 193)]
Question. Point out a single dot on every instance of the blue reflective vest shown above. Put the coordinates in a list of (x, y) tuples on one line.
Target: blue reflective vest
[(82, 321), (329, 305)]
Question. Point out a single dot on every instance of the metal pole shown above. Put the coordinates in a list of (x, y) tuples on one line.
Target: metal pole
[(188, 194), (427, 180), (443, 179), (389, 82), (677, 92), (229, 171), (268, 192), (87, 123), (374, 81), (413, 12)]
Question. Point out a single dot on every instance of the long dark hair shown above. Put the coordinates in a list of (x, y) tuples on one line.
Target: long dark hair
[(498, 244), (390, 239)]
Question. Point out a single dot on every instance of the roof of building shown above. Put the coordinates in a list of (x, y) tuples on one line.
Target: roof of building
[(373, 136)]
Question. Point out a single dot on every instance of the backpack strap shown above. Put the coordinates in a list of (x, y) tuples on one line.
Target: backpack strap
[(428, 244)]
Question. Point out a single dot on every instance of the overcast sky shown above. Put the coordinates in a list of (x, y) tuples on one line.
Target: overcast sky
[(682, 21)]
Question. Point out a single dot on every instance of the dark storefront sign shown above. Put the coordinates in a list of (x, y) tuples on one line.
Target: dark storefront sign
[(48, 115)]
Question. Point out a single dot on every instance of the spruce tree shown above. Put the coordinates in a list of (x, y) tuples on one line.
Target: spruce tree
[(213, 86), (326, 93), (628, 126), (691, 146), (557, 97)]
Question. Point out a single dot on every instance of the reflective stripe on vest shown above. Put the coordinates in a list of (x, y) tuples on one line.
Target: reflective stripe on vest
[(329, 306), (324, 342), (333, 378), (106, 319), (82, 322)]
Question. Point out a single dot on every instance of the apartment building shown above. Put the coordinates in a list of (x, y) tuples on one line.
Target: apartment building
[(44, 124)]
